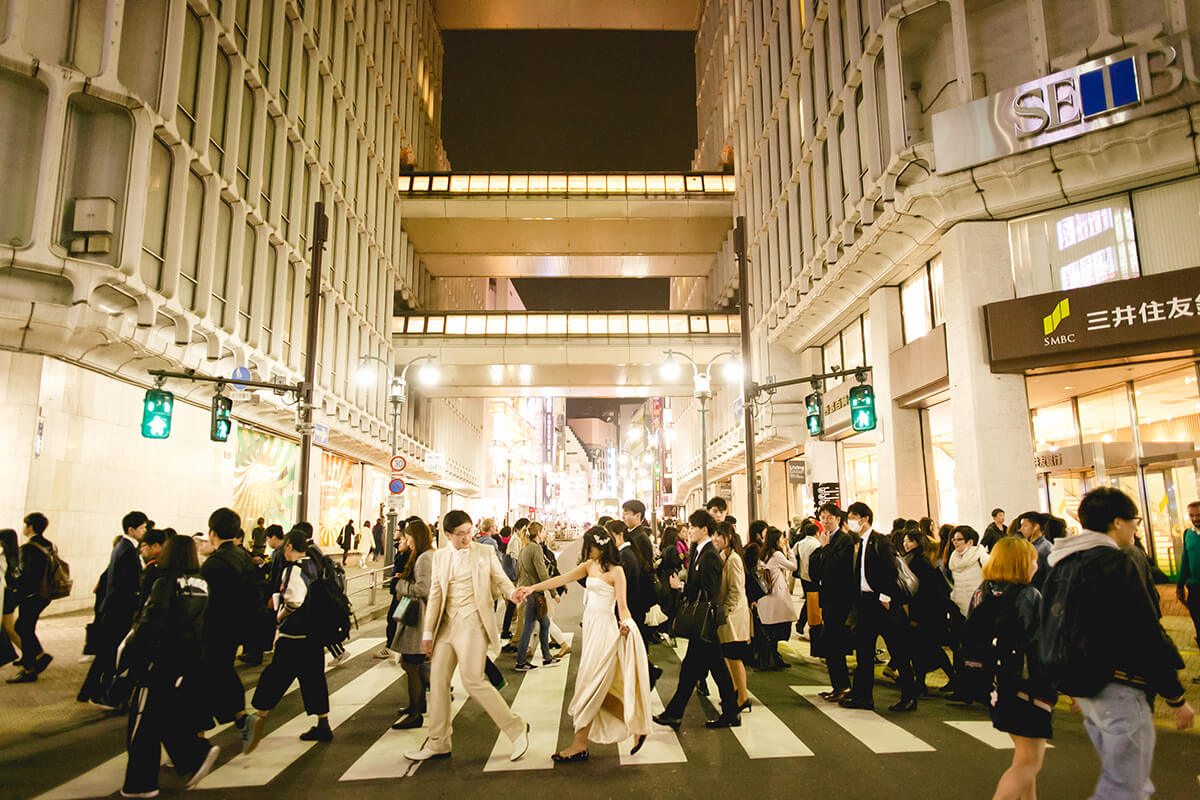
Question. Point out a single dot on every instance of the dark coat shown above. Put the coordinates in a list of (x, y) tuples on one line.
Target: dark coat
[(704, 579), (122, 587), (234, 593), (34, 564), (634, 585), (832, 568), (881, 565), (931, 608)]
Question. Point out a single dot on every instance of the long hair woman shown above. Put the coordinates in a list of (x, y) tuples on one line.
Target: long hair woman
[(611, 651), (12, 572), (413, 584), (775, 609), (734, 634), (929, 611)]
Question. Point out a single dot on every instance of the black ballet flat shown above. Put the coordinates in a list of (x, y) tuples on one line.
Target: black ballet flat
[(641, 740), (582, 755)]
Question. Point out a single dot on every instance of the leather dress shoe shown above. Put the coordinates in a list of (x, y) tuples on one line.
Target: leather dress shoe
[(671, 722), (425, 754), (734, 721), (850, 702), (520, 745), (835, 696), (905, 704)]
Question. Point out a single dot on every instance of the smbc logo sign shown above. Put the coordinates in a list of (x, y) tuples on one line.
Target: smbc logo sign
[(1051, 322)]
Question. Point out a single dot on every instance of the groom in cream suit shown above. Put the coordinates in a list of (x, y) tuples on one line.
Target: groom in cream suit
[(460, 621)]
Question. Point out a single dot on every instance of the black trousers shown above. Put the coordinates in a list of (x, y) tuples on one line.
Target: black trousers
[(158, 718), (702, 658), (104, 665), (1193, 604), (29, 609), (294, 659), (835, 643), (874, 621), (509, 611), (226, 695)]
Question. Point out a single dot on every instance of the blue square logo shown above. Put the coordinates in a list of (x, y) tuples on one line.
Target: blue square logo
[(1108, 88)]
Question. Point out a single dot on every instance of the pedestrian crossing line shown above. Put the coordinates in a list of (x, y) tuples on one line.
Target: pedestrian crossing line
[(984, 732), (539, 703), (283, 747), (877, 733), (385, 758), (761, 734), (661, 746), (106, 778)]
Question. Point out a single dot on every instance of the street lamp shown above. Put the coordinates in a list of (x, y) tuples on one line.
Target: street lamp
[(506, 449), (702, 391), (397, 395)]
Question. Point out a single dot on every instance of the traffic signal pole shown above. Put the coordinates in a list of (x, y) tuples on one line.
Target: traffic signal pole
[(305, 425), (748, 386)]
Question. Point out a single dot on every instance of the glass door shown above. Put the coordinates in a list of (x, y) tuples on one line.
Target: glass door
[(1170, 486), (1065, 489)]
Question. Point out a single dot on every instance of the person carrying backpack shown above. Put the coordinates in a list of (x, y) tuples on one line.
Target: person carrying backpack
[(298, 648), (999, 652), (34, 592), (1100, 641)]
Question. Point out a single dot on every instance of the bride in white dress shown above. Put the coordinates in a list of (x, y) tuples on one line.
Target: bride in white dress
[(612, 685)]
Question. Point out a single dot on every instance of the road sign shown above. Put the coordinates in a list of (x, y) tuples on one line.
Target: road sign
[(399, 463), (435, 462), (320, 433), (795, 471), (239, 396), (396, 486), (240, 374)]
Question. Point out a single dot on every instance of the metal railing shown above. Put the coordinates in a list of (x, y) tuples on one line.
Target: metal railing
[(373, 580)]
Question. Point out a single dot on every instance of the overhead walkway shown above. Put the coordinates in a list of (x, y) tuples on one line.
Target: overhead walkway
[(596, 354)]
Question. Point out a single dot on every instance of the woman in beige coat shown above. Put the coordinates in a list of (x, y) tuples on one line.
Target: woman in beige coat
[(734, 634)]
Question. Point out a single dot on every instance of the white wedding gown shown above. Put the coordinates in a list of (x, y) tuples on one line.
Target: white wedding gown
[(612, 686)]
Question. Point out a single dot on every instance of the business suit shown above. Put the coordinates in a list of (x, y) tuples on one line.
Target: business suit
[(704, 581), (462, 639), (832, 568), (114, 616), (634, 581), (876, 577)]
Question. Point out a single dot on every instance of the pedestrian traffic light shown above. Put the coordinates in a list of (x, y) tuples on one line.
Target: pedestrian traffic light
[(156, 413), (222, 423), (862, 408), (816, 418)]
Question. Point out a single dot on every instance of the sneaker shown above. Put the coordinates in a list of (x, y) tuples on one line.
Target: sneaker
[(151, 793), (318, 733), (340, 658), (245, 727), (550, 662), (205, 767), (508, 648), (520, 745), (525, 667), (383, 652)]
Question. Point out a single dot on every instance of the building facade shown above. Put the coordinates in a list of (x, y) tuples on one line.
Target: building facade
[(162, 161), (928, 185)]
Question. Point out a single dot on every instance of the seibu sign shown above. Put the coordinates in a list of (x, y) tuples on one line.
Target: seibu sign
[(1098, 94), (1139, 316)]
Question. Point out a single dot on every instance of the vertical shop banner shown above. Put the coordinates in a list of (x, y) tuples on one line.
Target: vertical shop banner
[(264, 478), (341, 493)]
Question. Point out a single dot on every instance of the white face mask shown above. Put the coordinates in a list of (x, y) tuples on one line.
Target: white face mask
[(855, 525)]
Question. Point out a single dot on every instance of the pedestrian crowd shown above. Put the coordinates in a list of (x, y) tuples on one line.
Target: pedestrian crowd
[(1014, 619)]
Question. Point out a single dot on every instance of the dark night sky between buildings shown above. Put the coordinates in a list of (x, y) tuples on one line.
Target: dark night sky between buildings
[(577, 101)]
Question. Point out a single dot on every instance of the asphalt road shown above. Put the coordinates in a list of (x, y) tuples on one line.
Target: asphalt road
[(791, 743)]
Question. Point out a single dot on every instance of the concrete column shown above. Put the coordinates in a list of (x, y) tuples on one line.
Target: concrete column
[(901, 462), (774, 507), (993, 447)]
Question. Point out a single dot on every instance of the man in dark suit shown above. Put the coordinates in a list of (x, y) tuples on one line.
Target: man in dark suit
[(234, 593), (879, 611), (832, 568), (703, 582), (115, 611), (995, 530)]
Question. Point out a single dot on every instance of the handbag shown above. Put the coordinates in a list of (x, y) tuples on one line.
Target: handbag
[(402, 606), (906, 581), (696, 619)]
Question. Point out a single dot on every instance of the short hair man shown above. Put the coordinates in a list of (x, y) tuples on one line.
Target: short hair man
[(1188, 589), (995, 529), (1096, 585), (1033, 525), (35, 562), (717, 507)]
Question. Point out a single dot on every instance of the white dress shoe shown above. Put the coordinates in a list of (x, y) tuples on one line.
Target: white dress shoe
[(520, 744), (424, 754)]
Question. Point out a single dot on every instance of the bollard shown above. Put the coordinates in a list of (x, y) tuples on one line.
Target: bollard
[(371, 602)]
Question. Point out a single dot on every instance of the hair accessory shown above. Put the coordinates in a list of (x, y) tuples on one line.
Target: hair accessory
[(602, 541)]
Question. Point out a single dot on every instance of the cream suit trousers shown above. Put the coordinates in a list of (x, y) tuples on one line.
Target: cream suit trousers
[(462, 642)]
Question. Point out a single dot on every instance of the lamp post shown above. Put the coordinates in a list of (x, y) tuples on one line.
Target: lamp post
[(702, 391), (397, 396), (507, 449)]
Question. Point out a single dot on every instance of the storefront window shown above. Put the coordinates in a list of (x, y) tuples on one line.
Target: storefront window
[(1054, 427), (862, 475), (1104, 416), (1168, 408), (941, 439), (915, 306)]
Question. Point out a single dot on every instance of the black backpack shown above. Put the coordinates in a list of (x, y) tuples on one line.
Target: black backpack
[(1071, 646), (328, 617), (991, 640)]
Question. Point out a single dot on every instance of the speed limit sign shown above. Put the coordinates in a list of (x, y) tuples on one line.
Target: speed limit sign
[(399, 463)]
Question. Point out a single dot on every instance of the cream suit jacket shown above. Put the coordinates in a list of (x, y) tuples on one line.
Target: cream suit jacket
[(490, 583)]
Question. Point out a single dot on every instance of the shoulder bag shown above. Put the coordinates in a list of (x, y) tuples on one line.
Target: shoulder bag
[(696, 619)]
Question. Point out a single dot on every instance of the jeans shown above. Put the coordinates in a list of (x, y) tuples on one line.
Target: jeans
[(531, 615), (1120, 723)]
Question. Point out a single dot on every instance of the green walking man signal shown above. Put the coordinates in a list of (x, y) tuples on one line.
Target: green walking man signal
[(222, 423), (862, 408), (814, 414), (156, 413)]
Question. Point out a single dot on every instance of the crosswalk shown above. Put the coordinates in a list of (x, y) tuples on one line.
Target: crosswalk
[(541, 698)]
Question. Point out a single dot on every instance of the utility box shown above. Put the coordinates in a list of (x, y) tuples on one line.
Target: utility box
[(94, 215)]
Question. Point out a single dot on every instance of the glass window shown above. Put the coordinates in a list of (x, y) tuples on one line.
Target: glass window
[(189, 263), (1054, 427), (516, 324), (268, 168), (289, 300), (556, 324), (241, 23), (941, 439), (1104, 416), (1082, 245), (221, 261), (915, 306), (245, 138), (285, 65), (938, 290), (154, 234), (270, 272), (289, 188), (249, 240), (862, 474), (189, 75), (265, 29), (852, 346), (1168, 409), (216, 132)]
